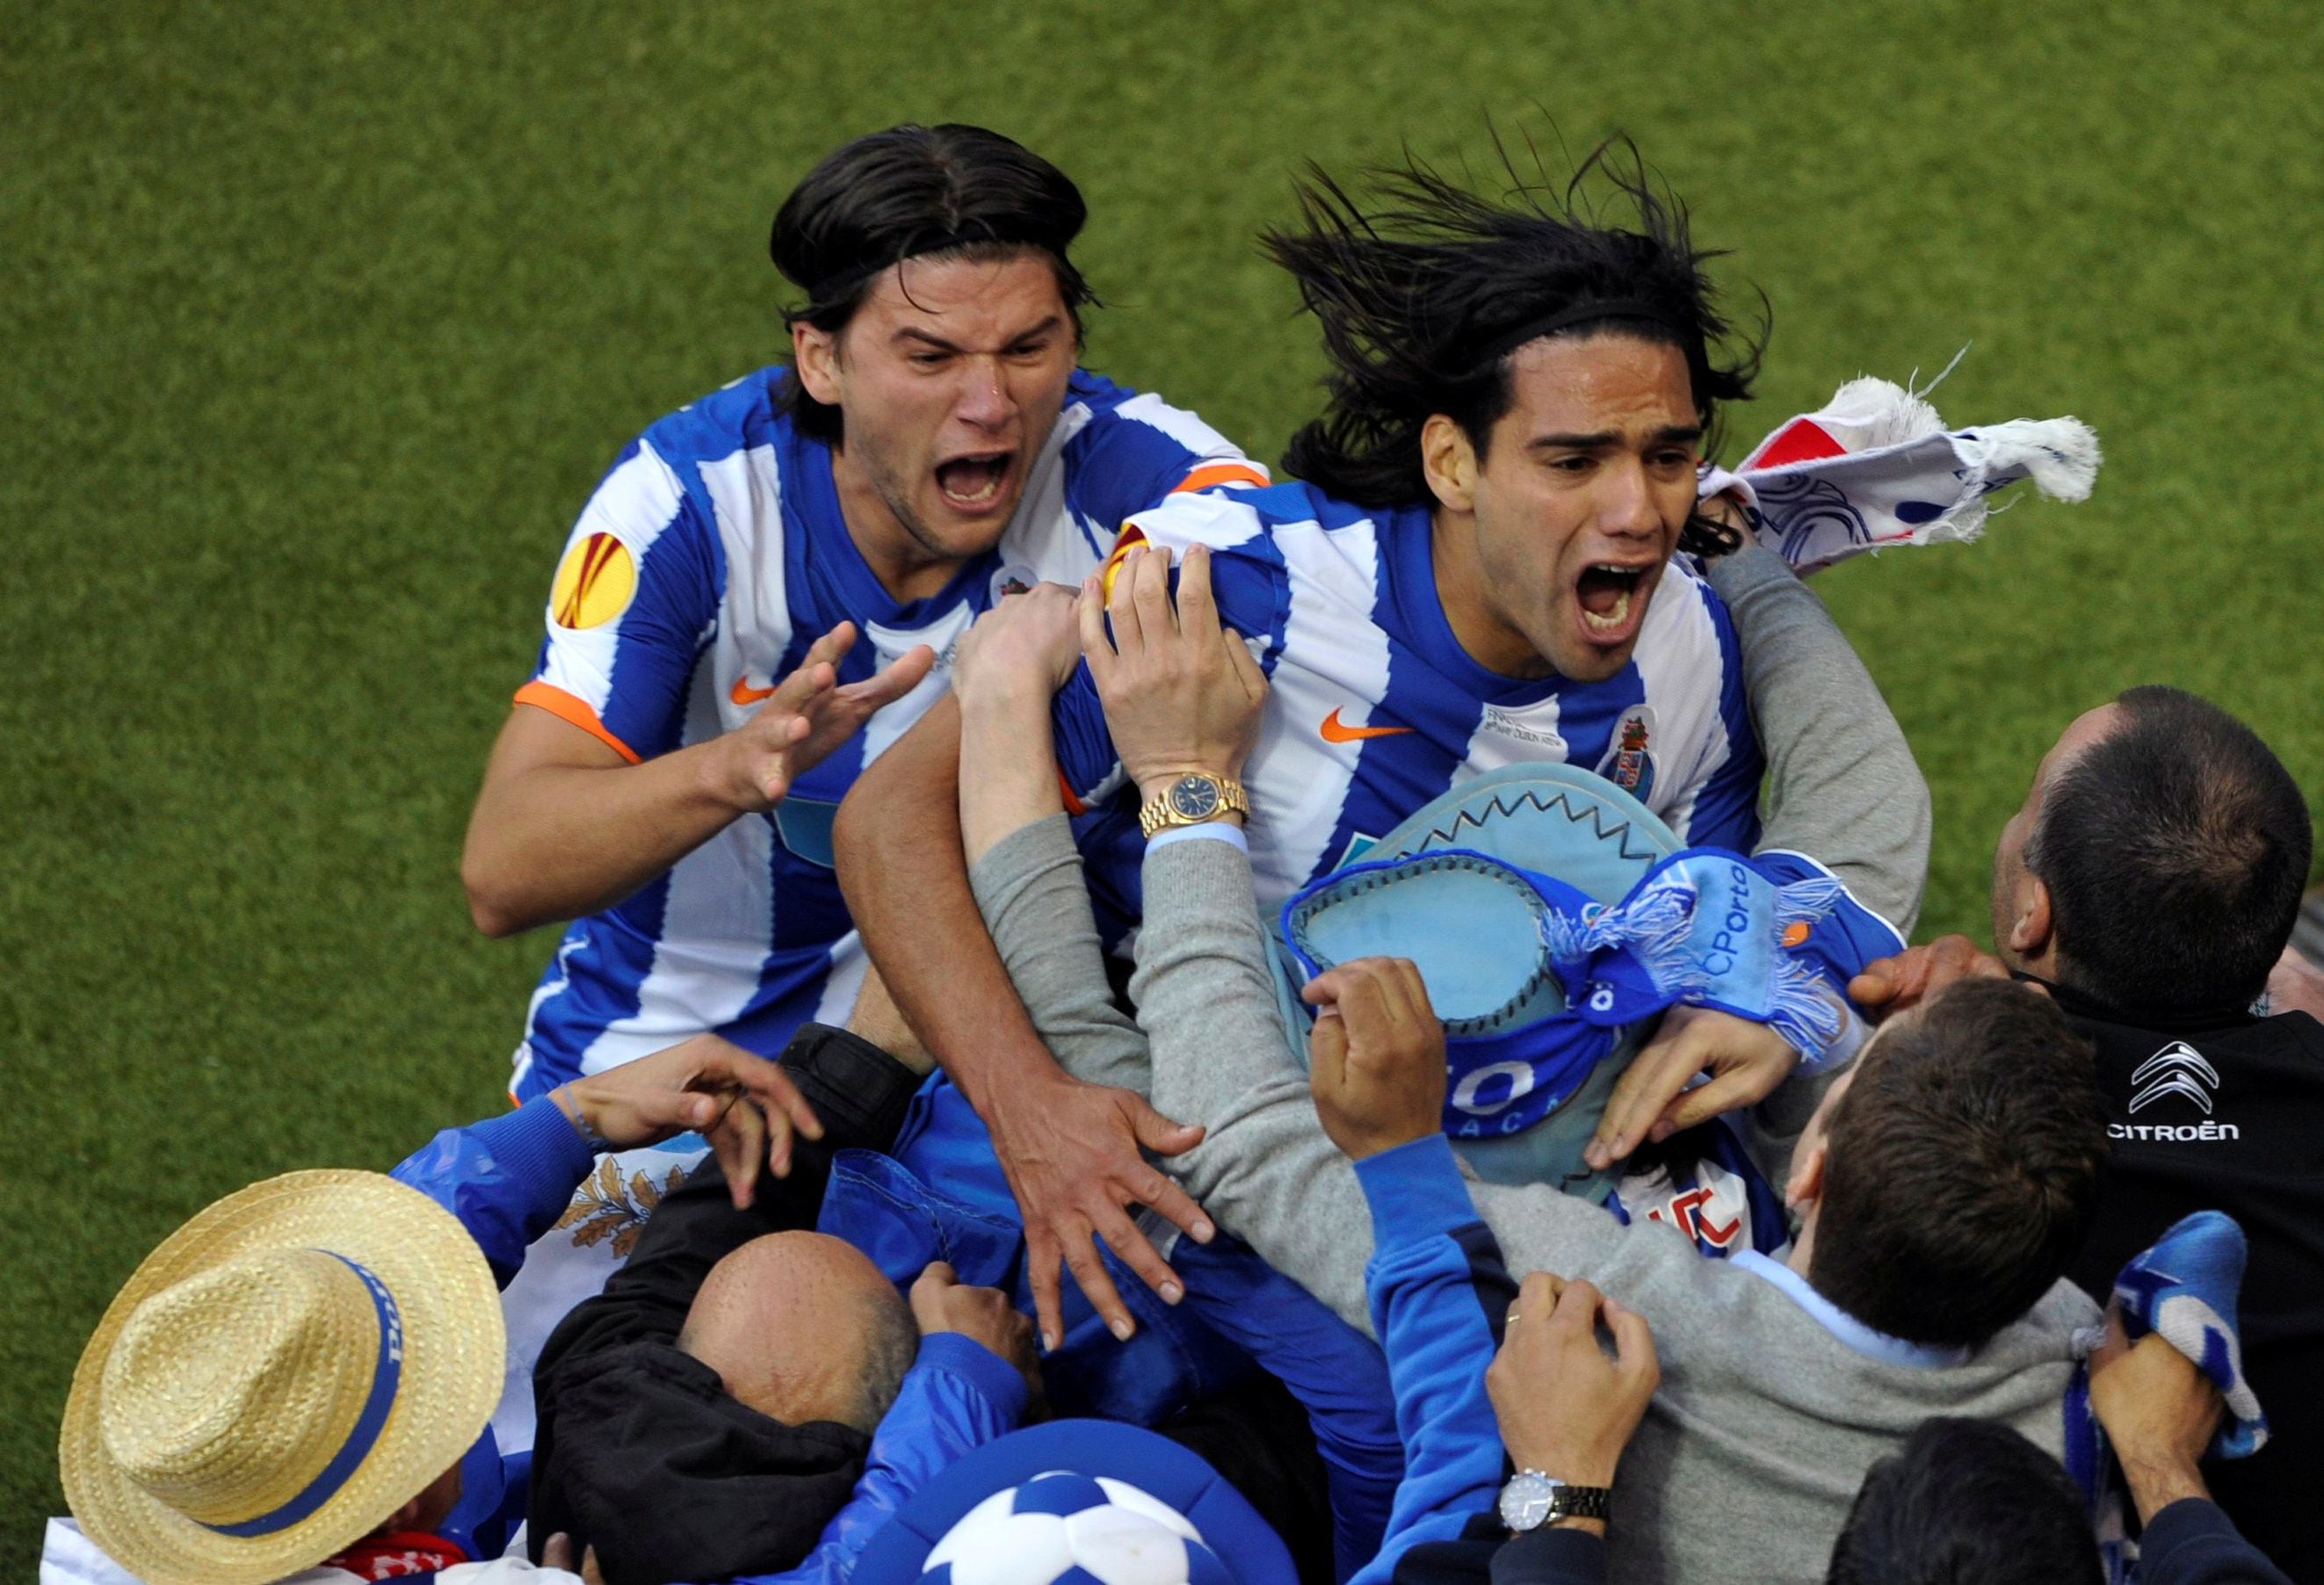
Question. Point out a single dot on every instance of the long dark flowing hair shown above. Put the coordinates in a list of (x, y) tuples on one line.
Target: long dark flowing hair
[(1424, 292)]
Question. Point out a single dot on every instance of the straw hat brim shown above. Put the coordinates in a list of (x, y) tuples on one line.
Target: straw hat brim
[(455, 1346)]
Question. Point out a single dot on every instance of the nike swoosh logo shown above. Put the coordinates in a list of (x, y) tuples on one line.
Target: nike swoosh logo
[(743, 693), (1336, 730)]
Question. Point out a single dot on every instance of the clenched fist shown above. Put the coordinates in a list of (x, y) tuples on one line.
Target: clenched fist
[(942, 1302)]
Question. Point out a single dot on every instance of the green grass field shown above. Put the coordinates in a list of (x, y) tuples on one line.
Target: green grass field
[(320, 320)]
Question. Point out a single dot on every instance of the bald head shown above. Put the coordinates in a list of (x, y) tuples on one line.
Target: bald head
[(802, 1327)]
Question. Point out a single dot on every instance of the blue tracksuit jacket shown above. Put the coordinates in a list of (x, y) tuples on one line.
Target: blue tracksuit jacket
[(1438, 1292), (941, 1196)]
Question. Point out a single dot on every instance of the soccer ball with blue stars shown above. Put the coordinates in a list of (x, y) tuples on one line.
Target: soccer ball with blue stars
[(1066, 1529)]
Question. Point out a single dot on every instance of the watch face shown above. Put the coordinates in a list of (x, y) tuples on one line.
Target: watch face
[(1194, 798), (1525, 1501)]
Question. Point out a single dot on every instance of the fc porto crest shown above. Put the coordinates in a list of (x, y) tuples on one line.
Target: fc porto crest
[(1011, 580), (1629, 761)]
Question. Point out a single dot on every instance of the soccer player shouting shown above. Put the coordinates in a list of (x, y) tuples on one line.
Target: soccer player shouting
[(765, 590), (1481, 570)]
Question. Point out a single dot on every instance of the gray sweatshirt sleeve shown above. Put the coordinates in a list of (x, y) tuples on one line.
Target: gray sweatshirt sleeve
[(1031, 889), (1264, 1168), (1842, 785)]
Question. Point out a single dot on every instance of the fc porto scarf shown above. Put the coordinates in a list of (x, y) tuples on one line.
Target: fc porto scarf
[(1876, 468)]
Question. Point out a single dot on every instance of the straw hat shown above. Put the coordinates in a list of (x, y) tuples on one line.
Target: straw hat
[(288, 1369)]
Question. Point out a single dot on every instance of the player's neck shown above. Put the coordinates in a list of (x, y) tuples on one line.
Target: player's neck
[(908, 568), (1460, 592)]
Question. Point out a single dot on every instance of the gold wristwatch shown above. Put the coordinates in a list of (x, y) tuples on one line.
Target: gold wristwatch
[(1193, 799)]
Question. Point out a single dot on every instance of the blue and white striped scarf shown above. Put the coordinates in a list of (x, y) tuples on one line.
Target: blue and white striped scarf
[(1876, 468)]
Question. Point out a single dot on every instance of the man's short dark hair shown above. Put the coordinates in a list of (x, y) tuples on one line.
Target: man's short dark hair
[(891, 1342), (2175, 849), (1962, 1167), (938, 192), (1424, 299), (1966, 1499)]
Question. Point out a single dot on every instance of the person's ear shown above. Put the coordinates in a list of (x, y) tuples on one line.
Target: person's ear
[(1449, 463), (2030, 919), (1805, 1186), (814, 353)]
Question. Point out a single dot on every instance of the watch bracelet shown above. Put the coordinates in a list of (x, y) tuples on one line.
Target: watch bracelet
[(1570, 1501)]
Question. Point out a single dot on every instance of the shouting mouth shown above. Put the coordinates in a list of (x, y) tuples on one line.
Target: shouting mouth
[(1611, 598), (973, 483)]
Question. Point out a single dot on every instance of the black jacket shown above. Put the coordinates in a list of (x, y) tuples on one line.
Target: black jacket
[(2226, 1113), (639, 1450)]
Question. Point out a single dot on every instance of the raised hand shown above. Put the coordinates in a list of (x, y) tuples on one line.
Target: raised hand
[(1181, 693), (807, 717), (1071, 1153), (1024, 648), (2160, 1412), (1893, 985), (1745, 1060), (1376, 1058), (747, 1106)]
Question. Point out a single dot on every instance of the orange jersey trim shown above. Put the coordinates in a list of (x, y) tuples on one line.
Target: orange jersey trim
[(548, 696), (1074, 806), (1131, 537), (1220, 472)]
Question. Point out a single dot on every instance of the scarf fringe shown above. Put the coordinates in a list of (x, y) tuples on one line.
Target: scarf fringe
[(1800, 1009), (1884, 411), (1804, 902)]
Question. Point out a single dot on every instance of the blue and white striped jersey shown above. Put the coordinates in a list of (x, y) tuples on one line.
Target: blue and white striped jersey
[(711, 556), (1374, 708)]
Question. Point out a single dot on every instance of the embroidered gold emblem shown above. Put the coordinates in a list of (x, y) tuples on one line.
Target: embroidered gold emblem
[(605, 1207)]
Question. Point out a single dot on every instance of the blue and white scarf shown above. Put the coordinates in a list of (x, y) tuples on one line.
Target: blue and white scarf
[(1533, 978)]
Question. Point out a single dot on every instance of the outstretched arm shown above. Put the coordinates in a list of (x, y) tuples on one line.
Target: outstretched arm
[(509, 1176), (567, 823), (1023, 864), (1071, 1150), (1025, 869)]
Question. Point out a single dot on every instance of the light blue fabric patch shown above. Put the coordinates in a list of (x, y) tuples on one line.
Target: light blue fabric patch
[(1476, 939), (805, 826)]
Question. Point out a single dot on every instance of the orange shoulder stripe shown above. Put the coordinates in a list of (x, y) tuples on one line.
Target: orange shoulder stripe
[(1222, 473), (548, 696)]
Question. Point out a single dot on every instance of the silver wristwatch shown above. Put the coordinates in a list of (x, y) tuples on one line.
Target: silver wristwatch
[(1532, 1499)]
